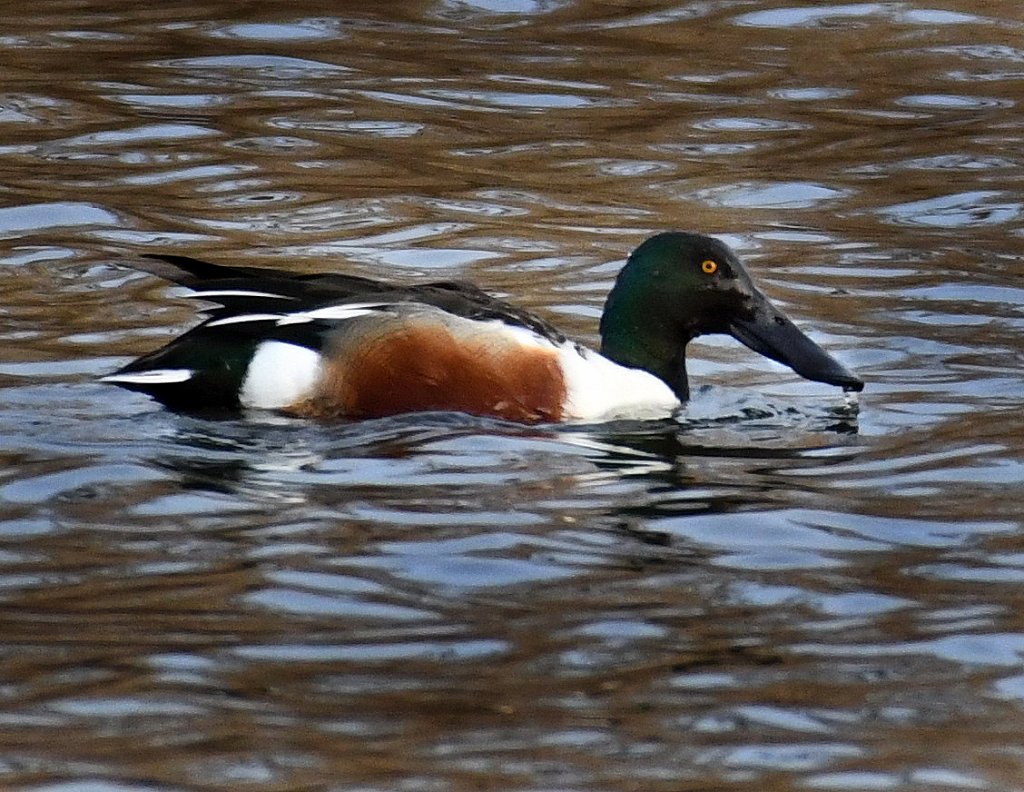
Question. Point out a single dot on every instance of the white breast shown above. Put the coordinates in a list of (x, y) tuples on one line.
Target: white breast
[(599, 389), (596, 388)]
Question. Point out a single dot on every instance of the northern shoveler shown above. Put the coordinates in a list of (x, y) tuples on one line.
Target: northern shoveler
[(331, 345)]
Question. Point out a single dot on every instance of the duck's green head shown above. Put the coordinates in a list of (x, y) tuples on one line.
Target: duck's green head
[(677, 286)]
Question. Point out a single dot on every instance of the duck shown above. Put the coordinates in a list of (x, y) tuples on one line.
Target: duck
[(335, 346)]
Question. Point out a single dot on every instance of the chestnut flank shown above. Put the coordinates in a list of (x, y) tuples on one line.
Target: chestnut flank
[(415, 368)]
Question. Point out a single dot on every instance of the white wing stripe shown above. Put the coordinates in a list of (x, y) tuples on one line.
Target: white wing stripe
[(334, 313), (237, 293), (243, 318), (154, 377)]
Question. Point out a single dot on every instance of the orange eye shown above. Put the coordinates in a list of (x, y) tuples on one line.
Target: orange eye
[(709, 266)]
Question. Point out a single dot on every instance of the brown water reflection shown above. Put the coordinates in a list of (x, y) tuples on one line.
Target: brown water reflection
[(780, 590)]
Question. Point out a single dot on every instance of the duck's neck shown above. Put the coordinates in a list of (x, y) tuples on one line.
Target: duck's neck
[(633, 335)]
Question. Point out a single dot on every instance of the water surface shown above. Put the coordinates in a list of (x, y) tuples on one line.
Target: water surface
[(781, 589)]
